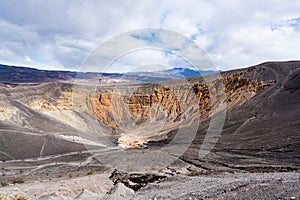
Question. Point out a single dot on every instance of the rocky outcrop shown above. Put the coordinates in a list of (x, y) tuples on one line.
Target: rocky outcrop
[(6, 111), (140, 105), (63, 102)]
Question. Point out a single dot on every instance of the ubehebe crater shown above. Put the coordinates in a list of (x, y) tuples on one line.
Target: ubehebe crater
[(46, 128)]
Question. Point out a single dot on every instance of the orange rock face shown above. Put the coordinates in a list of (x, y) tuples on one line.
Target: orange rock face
[(102, 107), (139, 105)]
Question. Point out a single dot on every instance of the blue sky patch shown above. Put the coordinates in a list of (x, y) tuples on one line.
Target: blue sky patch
[(151, 37), (295, 23)]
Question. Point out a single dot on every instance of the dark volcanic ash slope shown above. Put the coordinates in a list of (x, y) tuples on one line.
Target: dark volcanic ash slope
[(37, 121), (262, 134)]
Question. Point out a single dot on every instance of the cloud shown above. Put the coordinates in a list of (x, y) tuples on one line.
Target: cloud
[(147, 46), (61, 34)]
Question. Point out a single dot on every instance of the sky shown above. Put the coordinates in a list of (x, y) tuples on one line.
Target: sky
[(61, 34)]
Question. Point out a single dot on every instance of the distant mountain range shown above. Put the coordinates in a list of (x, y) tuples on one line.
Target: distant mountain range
[(18, 75), (12, 74)]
